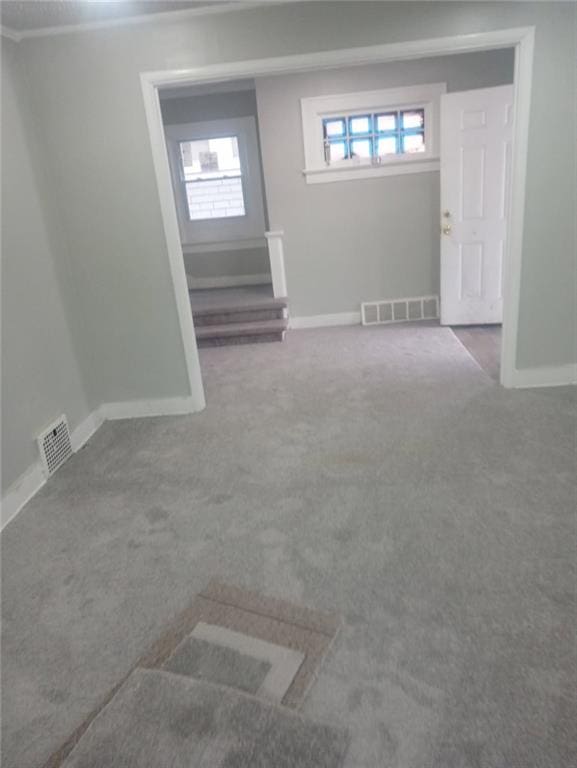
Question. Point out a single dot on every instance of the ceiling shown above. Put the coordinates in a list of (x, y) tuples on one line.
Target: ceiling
[(29, 15)]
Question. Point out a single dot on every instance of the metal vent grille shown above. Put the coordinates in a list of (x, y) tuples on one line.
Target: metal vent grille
[(54, 444), (400, 310)]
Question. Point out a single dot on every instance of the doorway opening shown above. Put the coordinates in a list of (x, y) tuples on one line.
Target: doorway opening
[(213, 147), (521, 40), (476, 151)]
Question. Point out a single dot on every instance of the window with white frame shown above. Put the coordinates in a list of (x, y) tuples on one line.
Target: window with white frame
[(212, 177), (363, 134), (216, 177), (375, 135)]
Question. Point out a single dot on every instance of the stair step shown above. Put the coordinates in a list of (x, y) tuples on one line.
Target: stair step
[(255, 306), (261, 327), (234, 341), (228, 316)]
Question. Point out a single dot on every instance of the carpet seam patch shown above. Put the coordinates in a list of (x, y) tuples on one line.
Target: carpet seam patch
[(269, 616), (268, 706), (183, 625), (314, 619)]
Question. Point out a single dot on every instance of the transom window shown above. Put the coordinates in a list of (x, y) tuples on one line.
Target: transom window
[(212, 177), (374, 135), (366, 134)]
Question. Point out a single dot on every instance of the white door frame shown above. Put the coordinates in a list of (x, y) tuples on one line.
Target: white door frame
[(521, 39)]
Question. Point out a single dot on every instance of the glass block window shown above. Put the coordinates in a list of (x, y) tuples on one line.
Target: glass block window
[(379, 134), (212, 177)]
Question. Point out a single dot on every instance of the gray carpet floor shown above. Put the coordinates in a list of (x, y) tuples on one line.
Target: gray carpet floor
[(484, 343), (377, 472), (162, 720)]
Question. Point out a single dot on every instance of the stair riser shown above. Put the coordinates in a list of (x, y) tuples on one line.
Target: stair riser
[(225, 341), (225, 318)]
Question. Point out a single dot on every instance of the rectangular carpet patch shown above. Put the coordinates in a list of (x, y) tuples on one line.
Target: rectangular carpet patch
[(239, 638)]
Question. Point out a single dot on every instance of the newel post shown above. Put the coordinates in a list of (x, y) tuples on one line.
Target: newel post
[(276, 257)]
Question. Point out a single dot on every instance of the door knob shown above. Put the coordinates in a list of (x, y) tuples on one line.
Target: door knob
[(446, 229)]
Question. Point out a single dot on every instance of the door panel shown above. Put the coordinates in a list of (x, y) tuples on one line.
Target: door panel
[(476, 133)]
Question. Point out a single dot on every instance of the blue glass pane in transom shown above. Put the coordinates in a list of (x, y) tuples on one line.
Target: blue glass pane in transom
[(386, 122), (334, 127), (337, 151), (412, 118), (387, 145), (413, 142), (359, 124), (361, 147)]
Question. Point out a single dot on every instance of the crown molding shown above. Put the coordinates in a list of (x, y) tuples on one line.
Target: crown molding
[(148, 18)]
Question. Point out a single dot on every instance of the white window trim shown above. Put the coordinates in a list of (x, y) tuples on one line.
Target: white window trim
[(314, 109), (252, 223)]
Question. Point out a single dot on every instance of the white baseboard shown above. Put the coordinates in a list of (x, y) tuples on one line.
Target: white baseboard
[(21, 491), (85, 430), (323, 321), (547, 376), (227, 281), (136, 409), (32, 480)]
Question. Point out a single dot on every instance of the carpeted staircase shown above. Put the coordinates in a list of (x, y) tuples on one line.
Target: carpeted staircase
[(243, 323)]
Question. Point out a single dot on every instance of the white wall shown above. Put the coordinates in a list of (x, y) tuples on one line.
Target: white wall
[(87, 97), (41, 378), (353, 241)]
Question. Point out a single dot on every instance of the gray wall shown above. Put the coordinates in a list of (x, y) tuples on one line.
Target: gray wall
[(40, 375), (238, 263), (353, 241), (208, 106), (87, 97), (204, 108)]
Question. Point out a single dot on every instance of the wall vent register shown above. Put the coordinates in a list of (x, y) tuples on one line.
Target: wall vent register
[(399, 310), (54, 445)]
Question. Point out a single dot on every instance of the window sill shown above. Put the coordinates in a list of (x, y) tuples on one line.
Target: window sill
[(328, 174)]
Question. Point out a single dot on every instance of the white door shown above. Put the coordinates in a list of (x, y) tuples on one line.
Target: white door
[(476, 133)]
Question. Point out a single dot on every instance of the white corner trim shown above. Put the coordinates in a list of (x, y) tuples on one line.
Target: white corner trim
[(86, 429), (367, 171), (227, 281), (324, 321), (173, 243), (135, 409), (547, 376), (21, 491), (512, 258), (142, 18)]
